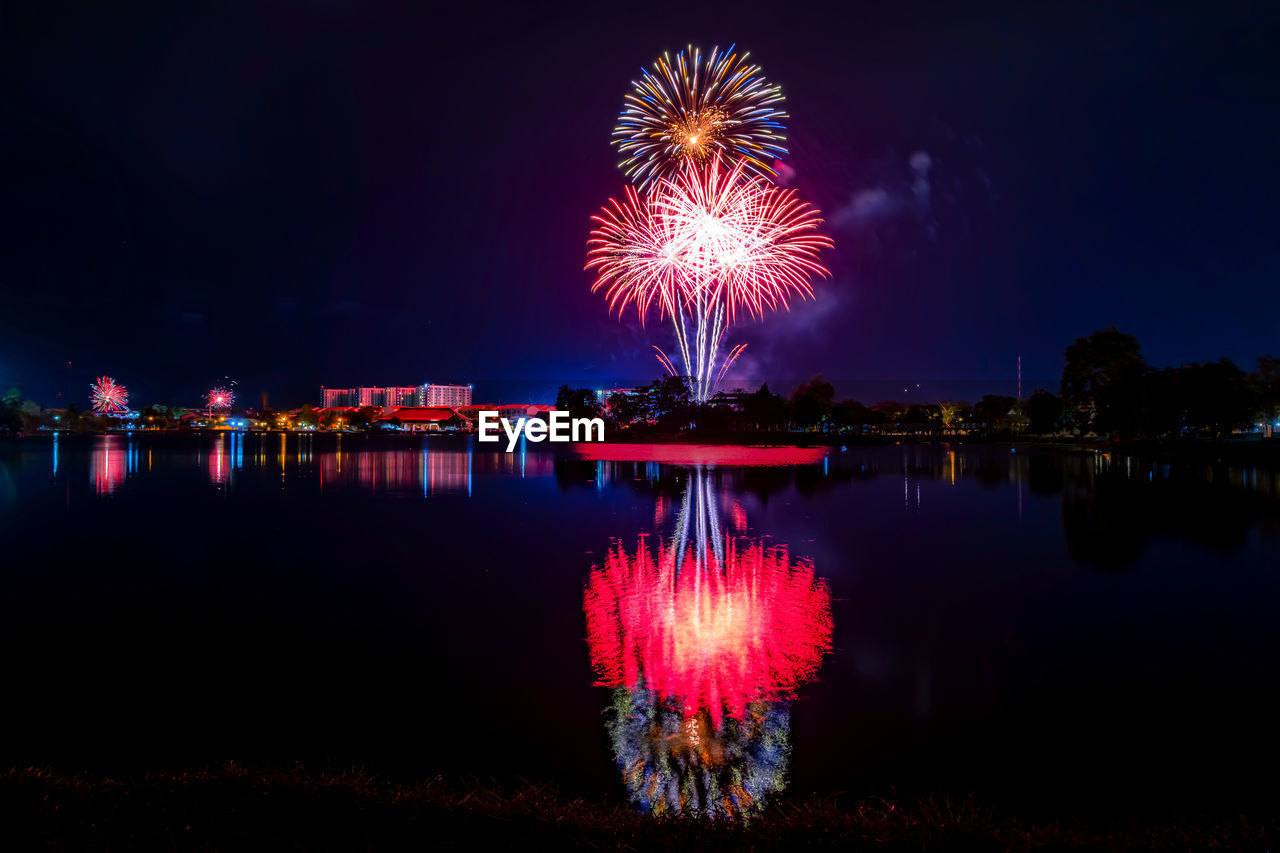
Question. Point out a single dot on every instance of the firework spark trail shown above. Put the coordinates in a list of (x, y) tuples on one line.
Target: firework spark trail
[(728, 362), (665, 361), (694, 107)]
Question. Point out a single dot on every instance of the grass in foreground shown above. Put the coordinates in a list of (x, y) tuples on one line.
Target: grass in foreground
[(233, 807)]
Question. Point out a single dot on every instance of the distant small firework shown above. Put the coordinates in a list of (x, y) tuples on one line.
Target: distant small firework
[(695, 107), (108, 397), (220, 398)]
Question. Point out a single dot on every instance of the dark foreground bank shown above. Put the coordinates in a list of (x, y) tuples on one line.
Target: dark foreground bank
[(233, 807)]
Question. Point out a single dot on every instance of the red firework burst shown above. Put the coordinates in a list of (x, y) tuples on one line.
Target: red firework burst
[(744, 242), (704, 245), (108, 397), (712, 234), (220, 398)]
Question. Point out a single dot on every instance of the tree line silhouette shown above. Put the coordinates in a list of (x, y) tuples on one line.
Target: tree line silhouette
[(1107, 389)]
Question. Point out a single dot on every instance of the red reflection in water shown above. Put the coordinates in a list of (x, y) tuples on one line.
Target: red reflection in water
[(716, 638), (397, 471), (107, 465), (701, 454), (219, 462), (449, 471)]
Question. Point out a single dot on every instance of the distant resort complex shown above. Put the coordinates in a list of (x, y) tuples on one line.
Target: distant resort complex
[(428, 407), (409, 408), (392, 396)]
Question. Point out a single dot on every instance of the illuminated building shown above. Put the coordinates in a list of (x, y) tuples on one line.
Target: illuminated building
[(455, 396), (426, 418), (399, 395), (369, 395), (390, 396), (334, 398), (603, 394)]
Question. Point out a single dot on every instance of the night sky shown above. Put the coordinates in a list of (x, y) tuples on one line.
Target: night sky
[(328, 193)]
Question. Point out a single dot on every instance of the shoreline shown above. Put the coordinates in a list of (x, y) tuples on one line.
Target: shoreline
[(233, 805), (1267, 447)]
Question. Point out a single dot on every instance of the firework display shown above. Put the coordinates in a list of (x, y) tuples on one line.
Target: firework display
[(108, 397), (697, 106), (703, 234), (220, 398), (702, 247)]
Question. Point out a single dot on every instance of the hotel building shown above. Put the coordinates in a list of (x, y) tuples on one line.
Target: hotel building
[(394, 396), (454, 396)]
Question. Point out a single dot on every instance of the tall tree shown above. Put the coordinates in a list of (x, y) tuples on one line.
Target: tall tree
[(1217, 396), (625, 408), (811, 401), (1100, 380), (671, 398), (764, 409), (1044, 412), (992, 408), (578, 402), (1266, 384), (850, 412), (949, 412)]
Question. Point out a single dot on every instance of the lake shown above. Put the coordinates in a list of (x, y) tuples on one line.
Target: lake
[(678, 626)]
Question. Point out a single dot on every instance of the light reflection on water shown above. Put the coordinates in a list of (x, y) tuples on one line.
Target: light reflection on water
[(452, 466), (1015, 595), (225, 458), (425, 469), (704, 638), (112, 460), (1111, 504)]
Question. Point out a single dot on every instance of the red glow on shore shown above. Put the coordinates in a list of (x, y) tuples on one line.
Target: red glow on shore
[(701, 454), (717, 639)]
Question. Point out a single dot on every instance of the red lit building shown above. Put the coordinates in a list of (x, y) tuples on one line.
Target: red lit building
[(369, 395), (456, 396), (425, 396), (426, 418)]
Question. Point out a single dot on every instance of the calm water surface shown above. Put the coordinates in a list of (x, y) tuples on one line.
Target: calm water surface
[(681, 627)]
